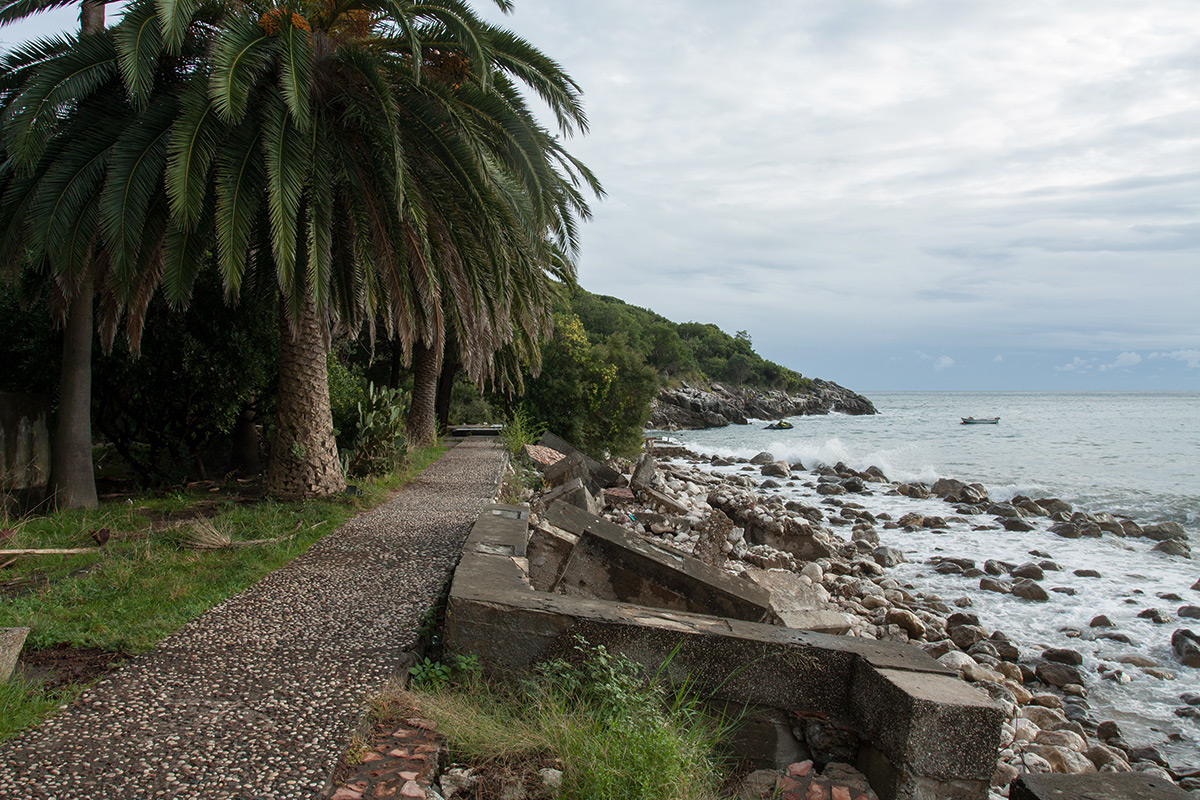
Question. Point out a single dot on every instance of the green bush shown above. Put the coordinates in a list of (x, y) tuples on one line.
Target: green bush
[(520, 429), (378, 447)]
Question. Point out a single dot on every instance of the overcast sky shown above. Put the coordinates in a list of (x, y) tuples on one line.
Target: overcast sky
[(899, 194)]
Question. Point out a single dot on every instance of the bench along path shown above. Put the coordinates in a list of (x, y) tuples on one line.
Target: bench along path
[(256, 697)]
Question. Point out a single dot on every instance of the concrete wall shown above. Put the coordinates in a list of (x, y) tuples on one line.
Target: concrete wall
[(24, 444), (924, 733)]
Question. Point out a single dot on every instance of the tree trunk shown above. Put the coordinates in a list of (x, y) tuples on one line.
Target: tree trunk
[(445, 388), (304, 459), (72, 480), (245, 458), (421, 430), (91, 17)]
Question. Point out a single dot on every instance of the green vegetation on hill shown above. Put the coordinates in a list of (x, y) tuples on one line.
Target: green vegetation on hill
[(608, 359), (692, 351)]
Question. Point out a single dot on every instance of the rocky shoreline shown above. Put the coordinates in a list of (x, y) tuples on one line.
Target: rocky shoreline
[(689, 407), (826, 570)]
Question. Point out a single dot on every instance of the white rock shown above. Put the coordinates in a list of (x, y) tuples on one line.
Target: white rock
[(956, 659), (812, 571)]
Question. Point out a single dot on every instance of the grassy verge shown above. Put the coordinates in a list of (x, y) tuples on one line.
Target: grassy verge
[(615, 734), (150, 579)]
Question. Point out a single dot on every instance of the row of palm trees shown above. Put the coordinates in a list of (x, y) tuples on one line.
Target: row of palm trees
[(375, 159)]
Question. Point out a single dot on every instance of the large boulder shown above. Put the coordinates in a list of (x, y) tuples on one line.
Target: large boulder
[(1052, 673), (1187, 647), (1162, 531), (776, 469)]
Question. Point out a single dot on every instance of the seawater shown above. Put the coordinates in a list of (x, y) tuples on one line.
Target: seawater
[(1136, 454)]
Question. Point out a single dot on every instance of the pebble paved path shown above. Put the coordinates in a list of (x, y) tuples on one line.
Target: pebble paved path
[(256, 697)]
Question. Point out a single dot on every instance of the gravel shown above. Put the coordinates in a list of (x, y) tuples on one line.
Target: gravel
[(256, 697)]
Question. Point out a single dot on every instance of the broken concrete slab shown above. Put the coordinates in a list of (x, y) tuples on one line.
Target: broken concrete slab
[(887, 692), (643, 472), (609, 563), (798, 604), (604, 475), (11, 642), (1105, 786), (549, 549), (565, 469), (655, 497), (574, 493)]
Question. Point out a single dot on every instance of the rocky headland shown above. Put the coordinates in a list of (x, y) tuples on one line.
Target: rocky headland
[(689, 407), (822, 561)]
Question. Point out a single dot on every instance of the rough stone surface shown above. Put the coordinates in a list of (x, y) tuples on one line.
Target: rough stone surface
[(1109, 786), (11, 642), (256, 697)]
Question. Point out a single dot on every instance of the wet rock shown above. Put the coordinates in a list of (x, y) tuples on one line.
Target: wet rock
[(1030, 590), (1101, 755), (1086, 573), (1155, 615), (1108, 730), (1028, 570), (1101, 621), (990, 584), (762, 458), (1174, 547), (1187, 647), (996, 567), (1063, 655), (776, 469), (1016, 524), (1054, 674), (1146, 753), (964, 636), (1067, 530), (1163, 531)]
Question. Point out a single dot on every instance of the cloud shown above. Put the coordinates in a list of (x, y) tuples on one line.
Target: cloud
[(943, 362), (1121, 361), (998, 359), (1077, 364), (1191, 358)]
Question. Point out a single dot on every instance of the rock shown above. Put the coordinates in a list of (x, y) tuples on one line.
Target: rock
[(1055, 674), (1063, 655), (964, 636), (957, 660), (1101, 621), (1174, 547), (1016, 524), (1068, 740), (757, 785), (552, 780), (977, 673), (1155, 615), (762, 458), (1067, 530), (1087, 573), (1101, 755), (1187, 647), (458, 781), (1163, 531), (12, 640), (888, 556), (990, 584), (1189, 612), (1004, 774), (1150, 754), (776, 469), (1030, 590), (1035, 763), (1063, 760), (643, 472), (1029, 570)]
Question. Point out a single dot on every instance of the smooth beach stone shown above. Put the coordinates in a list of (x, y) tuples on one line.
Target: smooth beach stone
[(1155, 615), (1067, 530), (1063, 655), (1055, 674), (1017, 524), (990, 584), (1086, 573), (1028, 570), (1030, 590), (1173, 547)]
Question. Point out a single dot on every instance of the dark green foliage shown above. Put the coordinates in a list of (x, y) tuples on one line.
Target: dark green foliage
[(29, 347), (169, 413), (596, 395), (684, 351)]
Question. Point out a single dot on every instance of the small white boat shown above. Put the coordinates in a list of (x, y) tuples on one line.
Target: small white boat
[(980, 421)]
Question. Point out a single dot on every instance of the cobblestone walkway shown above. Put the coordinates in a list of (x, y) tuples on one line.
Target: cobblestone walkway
[(256, 697)]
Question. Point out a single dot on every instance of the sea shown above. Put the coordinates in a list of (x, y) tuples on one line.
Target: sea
[(1135, 454)]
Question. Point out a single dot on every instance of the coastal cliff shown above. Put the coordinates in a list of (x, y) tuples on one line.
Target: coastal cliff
[(687, 407)]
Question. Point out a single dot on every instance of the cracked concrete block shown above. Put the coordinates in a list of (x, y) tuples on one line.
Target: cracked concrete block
[(11, 642)]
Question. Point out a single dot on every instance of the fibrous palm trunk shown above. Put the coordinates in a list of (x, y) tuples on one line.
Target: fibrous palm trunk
[(304, 459), (421, 430), (72, 480)]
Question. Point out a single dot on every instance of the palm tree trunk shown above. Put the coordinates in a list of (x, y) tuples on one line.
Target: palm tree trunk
[(421, 430), (445, 390), (304, 459), (72, 480)]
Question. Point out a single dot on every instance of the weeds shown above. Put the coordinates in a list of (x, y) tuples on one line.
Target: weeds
[(520, 430), (619, 735)]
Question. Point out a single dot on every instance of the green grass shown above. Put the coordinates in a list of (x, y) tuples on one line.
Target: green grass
[(619, 736), (147, 581)]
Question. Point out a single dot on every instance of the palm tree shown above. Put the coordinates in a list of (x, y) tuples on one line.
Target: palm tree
[(72, 147), (369, 154)]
